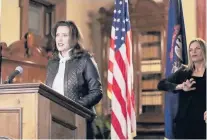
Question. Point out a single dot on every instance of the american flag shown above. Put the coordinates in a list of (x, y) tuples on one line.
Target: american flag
[(120, 75)]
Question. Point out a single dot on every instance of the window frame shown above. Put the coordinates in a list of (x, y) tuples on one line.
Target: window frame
[(24, 11)]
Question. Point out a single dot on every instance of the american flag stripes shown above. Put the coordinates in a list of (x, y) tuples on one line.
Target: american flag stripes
[(120, 75)]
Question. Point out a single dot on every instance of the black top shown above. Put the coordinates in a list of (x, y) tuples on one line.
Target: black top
[(81, 80), (195, 100), (192, 104)]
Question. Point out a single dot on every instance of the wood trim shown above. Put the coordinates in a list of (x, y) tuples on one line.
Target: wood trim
[(201, 18), (42, 31), (67, 125), (47, 92), (23, 62), (60, 11), (139, 75), (44, 2)]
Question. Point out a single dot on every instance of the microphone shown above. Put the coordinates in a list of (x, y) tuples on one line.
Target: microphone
[(18, 70)]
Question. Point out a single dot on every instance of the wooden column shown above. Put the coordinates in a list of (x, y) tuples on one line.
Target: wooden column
[(201, 18)]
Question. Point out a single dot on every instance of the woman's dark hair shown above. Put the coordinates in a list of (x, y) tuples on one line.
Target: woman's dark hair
[(77, 49)]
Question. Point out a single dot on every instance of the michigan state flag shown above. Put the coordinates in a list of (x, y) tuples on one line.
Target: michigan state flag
[(176, 56)]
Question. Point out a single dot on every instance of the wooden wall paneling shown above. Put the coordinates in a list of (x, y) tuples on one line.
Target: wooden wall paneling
[(24, 7), (136, 66), (201, 18), (138, 73), (42, 21), (34, 65), (60, 11), (102, 55), (31, 72)]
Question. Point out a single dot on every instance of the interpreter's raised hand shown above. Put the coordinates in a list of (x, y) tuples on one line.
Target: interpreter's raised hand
[(205, 116), (187, 85)]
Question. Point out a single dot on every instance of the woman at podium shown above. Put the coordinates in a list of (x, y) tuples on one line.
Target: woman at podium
[(72, 71)]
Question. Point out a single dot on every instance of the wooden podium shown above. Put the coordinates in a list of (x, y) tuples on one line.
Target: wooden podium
[(35, 111)]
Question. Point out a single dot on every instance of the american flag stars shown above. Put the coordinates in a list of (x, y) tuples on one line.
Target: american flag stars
[(120, 75)]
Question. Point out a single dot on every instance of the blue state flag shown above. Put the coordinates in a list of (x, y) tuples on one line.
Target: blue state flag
[(176, 56)]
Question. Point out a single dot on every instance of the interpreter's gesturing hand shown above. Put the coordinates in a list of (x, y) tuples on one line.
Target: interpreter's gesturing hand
[(187, 85), (205, 115)]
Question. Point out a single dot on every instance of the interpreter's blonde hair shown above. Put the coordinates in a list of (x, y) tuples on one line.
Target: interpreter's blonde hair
[(202, 44)]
